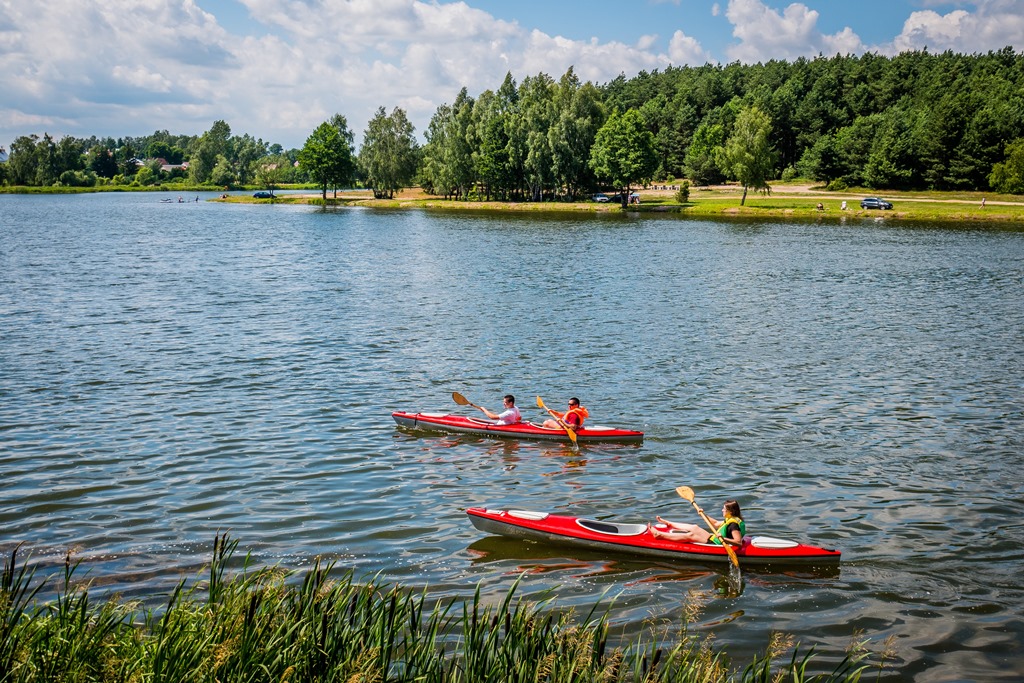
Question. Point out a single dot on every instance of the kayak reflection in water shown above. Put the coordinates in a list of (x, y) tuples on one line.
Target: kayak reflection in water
[(573, 417), (732, 529), (509, 416)]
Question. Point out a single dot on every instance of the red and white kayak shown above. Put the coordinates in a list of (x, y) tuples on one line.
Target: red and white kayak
[(460, 424), (637, 539)]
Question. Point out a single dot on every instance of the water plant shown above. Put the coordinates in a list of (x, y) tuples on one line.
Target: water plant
[(265, 624)]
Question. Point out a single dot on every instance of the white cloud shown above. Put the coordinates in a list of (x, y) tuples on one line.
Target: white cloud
[(682, 50), (993, 25), (766, 34), (129, 67)]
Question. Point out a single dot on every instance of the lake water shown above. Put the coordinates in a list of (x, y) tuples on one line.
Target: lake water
[(169, 371)]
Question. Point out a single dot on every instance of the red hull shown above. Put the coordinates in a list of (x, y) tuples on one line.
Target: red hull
[(461, 424), (636, 539)]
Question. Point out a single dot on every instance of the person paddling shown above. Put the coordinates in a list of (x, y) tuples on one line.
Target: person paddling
[(573, 417), (509, 416), (733, 529)]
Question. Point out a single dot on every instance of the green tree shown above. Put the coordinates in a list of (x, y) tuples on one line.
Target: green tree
[(447, 166), (101, 161), (223, 174), (579, 116), (700, 164), (747, 155), (1008, 175), (245, 150), (531, 126), (47, 169), (211, 144), (327, 158), (271, 171), (22, 160), (389, 153), (490, 148), (623, 152)]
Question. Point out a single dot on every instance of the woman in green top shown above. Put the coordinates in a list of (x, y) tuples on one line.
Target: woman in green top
[(732, 529)]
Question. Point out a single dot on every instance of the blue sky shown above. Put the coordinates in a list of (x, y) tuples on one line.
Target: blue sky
[(276, 69)]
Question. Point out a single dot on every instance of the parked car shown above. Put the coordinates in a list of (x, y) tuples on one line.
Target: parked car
[(874, 203), (599, 197), (263, 195)]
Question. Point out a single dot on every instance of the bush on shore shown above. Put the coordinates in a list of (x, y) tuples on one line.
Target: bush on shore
[(269, 625)]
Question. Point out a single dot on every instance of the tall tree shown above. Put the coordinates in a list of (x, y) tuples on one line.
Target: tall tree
[(271, 171), (388, 155), (700, 164), (531, 126), (747, 155), (210, 145), (1008, 175), (623, 152), (23, 160), (578, 117), (327, 158)]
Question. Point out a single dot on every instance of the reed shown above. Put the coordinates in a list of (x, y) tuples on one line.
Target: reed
[(263, 624)]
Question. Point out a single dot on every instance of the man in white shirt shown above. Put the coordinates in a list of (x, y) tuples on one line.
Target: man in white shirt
[(509, 416)]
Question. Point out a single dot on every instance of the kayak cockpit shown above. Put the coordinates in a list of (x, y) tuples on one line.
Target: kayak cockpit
[(611, 528)]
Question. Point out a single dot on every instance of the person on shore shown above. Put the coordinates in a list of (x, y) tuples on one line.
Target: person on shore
[(509, 416), (843, 207), (733, 529), (573, 417)]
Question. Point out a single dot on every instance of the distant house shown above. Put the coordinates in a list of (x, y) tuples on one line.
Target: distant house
[(166, 167)]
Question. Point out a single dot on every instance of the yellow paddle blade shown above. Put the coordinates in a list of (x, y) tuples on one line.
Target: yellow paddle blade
[(685, 492), (540, 403)]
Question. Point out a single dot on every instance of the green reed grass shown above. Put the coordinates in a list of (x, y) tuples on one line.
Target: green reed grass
[(269, 625)]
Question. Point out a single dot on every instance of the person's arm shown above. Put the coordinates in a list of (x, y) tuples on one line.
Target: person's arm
[(734, 537), (714, 522), (493, 416)]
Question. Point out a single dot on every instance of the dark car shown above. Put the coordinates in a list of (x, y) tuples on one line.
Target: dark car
[(874, 203), (263, 195)]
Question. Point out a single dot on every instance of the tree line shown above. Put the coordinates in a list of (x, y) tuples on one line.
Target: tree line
[(913, 121)]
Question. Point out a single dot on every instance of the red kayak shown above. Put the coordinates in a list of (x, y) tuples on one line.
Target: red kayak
[(637, 539), (460, 424)]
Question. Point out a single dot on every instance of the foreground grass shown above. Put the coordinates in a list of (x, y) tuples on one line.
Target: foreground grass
[(268, 625)]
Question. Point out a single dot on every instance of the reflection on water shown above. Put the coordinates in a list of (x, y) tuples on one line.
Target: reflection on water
[(171, 371)]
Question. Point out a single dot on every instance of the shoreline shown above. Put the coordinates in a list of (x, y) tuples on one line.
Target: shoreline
[(785, 201), (793, 200)]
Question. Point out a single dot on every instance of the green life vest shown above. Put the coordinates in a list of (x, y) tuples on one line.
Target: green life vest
[(725, 525)]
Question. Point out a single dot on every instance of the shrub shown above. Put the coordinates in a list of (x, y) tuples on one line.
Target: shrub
[(683, 193)]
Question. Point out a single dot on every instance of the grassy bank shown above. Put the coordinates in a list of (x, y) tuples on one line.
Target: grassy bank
[(787, 200), (268, 625)]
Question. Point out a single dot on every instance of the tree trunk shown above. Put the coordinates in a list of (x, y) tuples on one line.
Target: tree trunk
[(744, 199)]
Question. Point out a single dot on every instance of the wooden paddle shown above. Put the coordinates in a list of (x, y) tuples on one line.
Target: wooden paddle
[(462, 401), (566, 427), (687, 493)]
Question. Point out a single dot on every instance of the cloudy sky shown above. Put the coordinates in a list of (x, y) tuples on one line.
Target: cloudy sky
[(275, 69)]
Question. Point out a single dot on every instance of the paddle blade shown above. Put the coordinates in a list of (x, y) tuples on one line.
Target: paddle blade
[(685, 492), (460, 399), (540, 404)]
